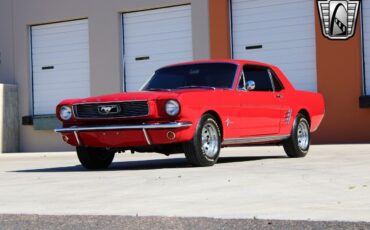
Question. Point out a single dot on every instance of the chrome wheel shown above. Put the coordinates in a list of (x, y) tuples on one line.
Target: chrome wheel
[(210, 140), (204, 148), (303, 135)]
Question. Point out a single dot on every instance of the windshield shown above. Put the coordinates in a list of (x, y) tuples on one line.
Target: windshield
[(206, 75)]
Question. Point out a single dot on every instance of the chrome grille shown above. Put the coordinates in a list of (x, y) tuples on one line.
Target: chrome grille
[(126, 109)]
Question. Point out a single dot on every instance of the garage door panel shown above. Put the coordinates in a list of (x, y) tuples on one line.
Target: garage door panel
[(174, 41), (284, 23), (156, 48), (294, 71), (271, 7), (54, 27), (60, 64), (276, 45), (72, 88), (274, 35), (162, 35), (40, 34), (60, 39), (60, 44), (72, 67), (61, 77), (154, 37), (169, 13), (241, 4), (80, 46), (137, 30), (58, 84), (162, 57), (136, 22), (44, 101), (296, 54), (65, 47), (285, 29), (366, 42), (57, 59), (63, 65)]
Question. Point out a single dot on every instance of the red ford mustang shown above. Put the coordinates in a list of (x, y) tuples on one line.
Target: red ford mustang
[(194, 108)]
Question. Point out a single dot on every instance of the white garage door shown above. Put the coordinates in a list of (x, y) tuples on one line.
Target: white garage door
[(286, 31), (154, 38), (60, 64), (366, 32)]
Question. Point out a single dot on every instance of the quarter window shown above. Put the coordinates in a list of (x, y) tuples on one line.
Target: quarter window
[(277, 84)]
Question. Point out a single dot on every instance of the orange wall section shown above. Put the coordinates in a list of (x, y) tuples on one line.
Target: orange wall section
[(219, 26), (339, 79)]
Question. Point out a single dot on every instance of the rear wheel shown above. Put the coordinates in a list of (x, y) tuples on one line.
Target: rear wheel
[(204, 149), (299, 142), (95, 158)]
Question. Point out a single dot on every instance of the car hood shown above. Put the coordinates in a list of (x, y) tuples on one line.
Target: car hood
[(135, 96)]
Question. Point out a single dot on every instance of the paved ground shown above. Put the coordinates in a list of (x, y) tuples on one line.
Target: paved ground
[(332, 183), (28, 222)]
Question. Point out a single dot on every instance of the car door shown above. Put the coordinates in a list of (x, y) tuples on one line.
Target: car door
[(260, 106)]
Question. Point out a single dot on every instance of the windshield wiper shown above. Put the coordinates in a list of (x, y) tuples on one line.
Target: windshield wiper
[(196, 86), (157, 89)]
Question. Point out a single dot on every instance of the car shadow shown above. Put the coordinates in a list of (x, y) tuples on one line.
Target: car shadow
[(149, 164)]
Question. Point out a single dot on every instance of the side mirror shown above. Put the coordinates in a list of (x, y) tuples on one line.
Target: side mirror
[(251, 85)]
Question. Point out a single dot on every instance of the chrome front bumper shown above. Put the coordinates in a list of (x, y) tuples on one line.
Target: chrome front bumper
[(171, 125), (144, 127)]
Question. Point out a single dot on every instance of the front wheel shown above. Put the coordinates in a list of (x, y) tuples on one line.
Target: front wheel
[(299, 142), (95, 158), (204, 149)]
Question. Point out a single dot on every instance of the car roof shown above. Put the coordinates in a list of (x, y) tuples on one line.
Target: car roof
[(231, 61), (282, 77)]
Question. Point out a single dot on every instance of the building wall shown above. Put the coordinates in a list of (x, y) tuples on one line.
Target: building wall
[(105, 34), (6, 42), (219, 27), (339, 63), (9, 125), (339, 75)]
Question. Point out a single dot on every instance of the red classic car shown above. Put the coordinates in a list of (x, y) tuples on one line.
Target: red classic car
[(194, 108)]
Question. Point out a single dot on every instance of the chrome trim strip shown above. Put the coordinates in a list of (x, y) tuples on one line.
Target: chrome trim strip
[(77, 138), (109, 102), (147, 137), (288, 116), (249, 140), (171, 125)]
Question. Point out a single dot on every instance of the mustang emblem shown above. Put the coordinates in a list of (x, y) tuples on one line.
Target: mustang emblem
[(228, 122), (109, 109)]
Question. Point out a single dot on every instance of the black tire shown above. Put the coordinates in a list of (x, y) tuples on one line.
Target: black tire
[(203, 156), (95, 158), (294, 147)]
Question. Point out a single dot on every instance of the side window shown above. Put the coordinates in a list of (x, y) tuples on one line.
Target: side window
[(277, 84), (260, 76)]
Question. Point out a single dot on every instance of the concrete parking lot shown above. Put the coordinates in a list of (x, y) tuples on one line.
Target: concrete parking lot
[(331, 183)]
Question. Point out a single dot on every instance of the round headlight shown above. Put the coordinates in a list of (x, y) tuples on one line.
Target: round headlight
[(65, 113), (172, 108)]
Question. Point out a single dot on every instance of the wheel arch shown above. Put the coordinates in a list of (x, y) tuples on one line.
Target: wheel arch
[(218, 120), (305, 113)]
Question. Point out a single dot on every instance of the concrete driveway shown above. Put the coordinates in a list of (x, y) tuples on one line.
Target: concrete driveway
[(331, 183)]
